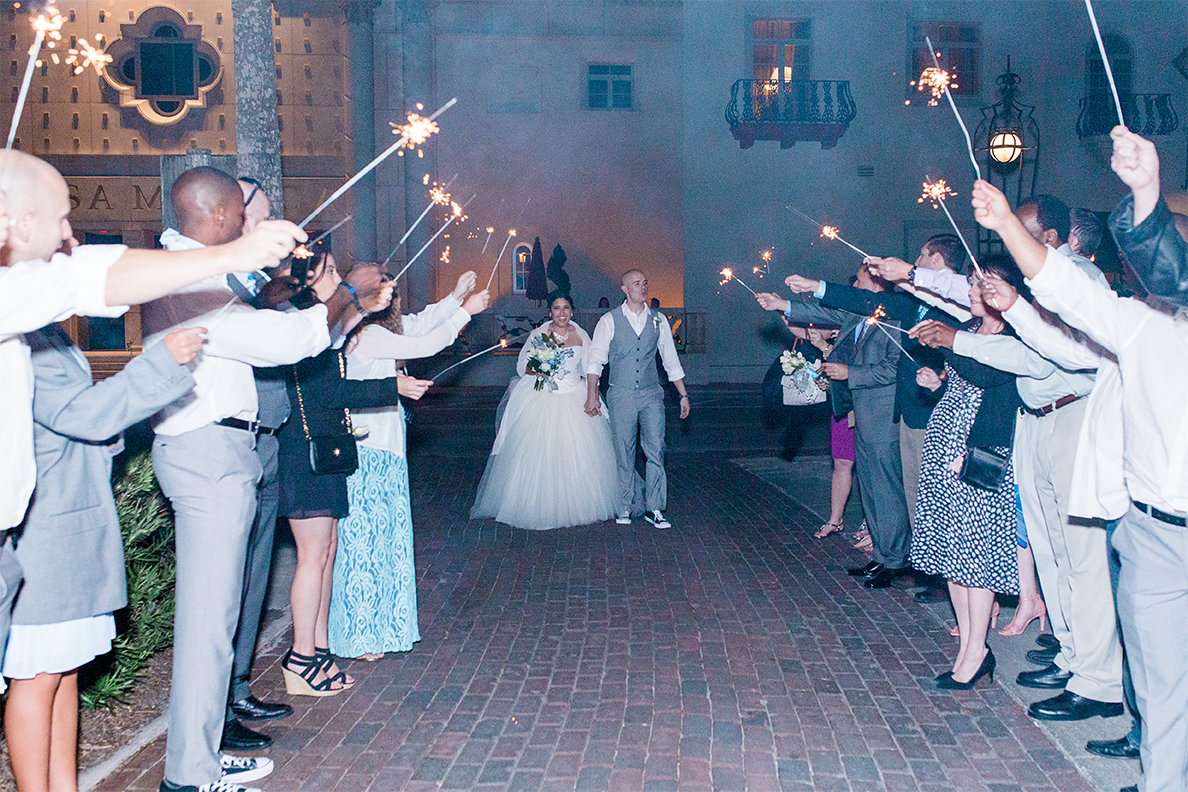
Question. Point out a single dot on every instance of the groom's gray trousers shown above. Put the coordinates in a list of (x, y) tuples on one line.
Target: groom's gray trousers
[(637, 416)]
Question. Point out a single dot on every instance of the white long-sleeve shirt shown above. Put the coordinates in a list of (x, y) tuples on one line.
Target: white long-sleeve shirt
[(604, 333), (238, 337), (34, 294), (1152, 352), (1040, 381), (373, 355)]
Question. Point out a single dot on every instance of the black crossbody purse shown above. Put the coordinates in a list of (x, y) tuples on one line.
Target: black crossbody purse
[(984, 468), (329, 453)]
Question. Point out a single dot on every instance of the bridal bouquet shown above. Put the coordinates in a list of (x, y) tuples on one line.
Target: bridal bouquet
[(799, 380), (546, 358)]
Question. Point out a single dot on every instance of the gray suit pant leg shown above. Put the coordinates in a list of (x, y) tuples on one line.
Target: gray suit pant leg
[(1152, 592), (1135, 736), (880, 483), (10, 584), (210, 477), (638, 417), (258, 569), (911, 452)]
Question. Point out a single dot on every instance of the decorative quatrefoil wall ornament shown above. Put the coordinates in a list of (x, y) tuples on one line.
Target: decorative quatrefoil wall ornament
[(162, 67)]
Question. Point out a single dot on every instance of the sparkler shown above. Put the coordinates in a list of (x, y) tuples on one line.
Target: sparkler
[(935, 80), (417, 130), (728, 275), (935, 192), (437, 197), (83, 56), (305, 250), (501, 345), (1105, 61), (46, 25), (456, 214), (829, 232), (873, 319), (952, 104), (490, 230), (511, 232)]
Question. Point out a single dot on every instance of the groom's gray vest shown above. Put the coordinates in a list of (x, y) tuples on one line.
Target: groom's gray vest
[(632, 358)]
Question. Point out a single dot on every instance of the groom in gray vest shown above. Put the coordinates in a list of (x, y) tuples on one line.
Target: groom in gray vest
[(628, 338)]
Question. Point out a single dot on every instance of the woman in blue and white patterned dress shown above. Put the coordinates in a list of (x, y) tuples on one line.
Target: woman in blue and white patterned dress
[(373, 606)]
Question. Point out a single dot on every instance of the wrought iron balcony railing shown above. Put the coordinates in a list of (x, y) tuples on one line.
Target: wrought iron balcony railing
[(790, 111), (1146, 114)]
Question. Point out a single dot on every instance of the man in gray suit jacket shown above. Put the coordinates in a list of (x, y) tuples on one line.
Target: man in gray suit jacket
[(863, 366), (69, 543)]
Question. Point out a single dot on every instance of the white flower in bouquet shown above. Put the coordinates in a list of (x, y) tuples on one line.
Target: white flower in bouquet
[(792, 362), (545, 358)]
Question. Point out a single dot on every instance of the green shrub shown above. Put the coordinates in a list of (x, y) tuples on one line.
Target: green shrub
[(145, 627)]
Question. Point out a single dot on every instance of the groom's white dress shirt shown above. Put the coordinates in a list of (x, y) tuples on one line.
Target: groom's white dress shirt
[(604, 333)]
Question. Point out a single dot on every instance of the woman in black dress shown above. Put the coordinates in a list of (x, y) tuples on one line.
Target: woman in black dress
[(965, 533), (321, 399)]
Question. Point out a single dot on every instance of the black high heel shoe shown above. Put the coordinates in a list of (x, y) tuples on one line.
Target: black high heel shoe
[(327, 660), (986, 669)]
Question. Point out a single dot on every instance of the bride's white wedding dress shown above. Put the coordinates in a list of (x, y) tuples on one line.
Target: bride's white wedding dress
[(552, 465)]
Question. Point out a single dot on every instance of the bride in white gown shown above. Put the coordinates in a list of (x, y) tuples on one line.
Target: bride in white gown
[(552, 465)]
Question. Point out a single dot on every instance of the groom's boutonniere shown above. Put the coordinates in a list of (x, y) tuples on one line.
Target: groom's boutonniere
[(656, 320)]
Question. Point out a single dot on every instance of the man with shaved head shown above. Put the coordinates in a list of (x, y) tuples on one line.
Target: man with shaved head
[(39, 286), (628, 338), (204, 456)]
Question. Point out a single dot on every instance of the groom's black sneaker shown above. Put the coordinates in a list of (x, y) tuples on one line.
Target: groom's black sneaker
[(656, 518)]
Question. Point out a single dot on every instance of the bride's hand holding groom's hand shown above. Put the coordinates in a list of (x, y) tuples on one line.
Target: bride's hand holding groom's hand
[(593, 405)]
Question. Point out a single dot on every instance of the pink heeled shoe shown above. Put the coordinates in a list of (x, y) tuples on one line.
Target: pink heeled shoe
[(1017, 628), (955, 630)]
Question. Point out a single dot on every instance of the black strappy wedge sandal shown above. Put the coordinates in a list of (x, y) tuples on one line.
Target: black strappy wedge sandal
[(300, 671), (326, 659)]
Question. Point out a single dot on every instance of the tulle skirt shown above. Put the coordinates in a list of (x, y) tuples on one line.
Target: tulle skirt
[(555, 466)]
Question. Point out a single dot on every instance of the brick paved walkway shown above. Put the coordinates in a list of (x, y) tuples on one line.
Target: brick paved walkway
[(731, 652)]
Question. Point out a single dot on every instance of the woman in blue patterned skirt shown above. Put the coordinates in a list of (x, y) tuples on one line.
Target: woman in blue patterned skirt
[(373, 606)]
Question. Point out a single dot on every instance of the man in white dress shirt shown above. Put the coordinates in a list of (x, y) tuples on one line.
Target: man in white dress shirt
[(205, 459), (39, 286), (1151, 348), (628, 338)]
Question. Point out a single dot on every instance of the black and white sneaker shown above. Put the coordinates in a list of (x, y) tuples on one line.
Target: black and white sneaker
[(624, 518), (240, 769), (215, 786), (656, 518)]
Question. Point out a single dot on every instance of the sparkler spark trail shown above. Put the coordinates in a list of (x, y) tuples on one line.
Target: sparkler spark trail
[(952, 104), (829, 232), (1105, 61), (935, 80), (511, 232), (456, 214), (83, 56), (48, 24), (501, 345), (418, 129), (935, 192), (728, 275)]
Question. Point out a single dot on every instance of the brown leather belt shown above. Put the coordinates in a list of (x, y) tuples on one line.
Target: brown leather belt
[(1048, 409)]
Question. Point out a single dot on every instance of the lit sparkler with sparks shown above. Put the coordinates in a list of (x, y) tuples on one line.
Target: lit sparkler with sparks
[(511, 232), (490, 230), (501, 345), (305, 250), (934, 80), (437, 197), (415, 132), (875, 320), (83, 56), (935, 193), (423, 126), (952, 104), (728, 275), (829, 232), (46, 25), (456, 214)]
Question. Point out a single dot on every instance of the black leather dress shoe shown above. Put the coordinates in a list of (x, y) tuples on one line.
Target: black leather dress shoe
[(251, 708), (871, 569), (1113, 749), (237, 737), (1043, 657), (1068, 706), (1050, 678), (1131, 788), (1047, 641), (931, 596), (880, 580)]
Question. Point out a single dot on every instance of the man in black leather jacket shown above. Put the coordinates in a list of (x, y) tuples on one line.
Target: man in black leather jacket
[(1148, 233)]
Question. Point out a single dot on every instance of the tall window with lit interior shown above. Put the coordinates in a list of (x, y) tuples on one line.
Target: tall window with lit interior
[(521, 256), (608, 87), (779, 49), (958, 47)]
